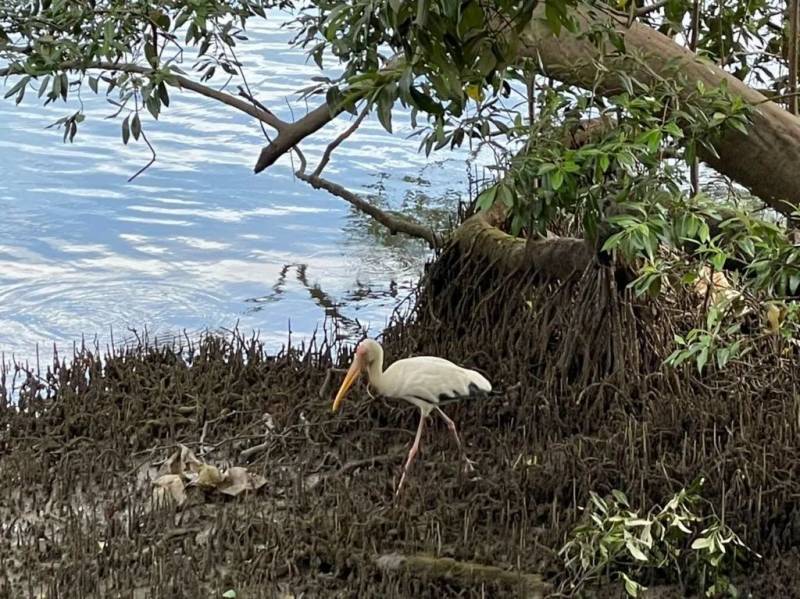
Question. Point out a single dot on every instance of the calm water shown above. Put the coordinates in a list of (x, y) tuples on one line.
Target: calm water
[(198, 241)]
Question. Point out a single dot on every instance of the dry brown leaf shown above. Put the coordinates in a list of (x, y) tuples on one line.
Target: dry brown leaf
[(238, 480), (183, 469), (189, 461), (169, 485), (715, 284), (182, 462), (172, 465), (774, 317)]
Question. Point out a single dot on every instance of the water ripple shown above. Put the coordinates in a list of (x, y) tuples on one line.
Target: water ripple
[(198, 241)]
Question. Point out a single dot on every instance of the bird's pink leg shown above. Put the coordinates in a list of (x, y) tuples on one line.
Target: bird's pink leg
[(412, 452), (470, 465)]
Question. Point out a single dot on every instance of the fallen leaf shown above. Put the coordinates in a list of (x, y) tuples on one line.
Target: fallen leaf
[(172, 465), (169, 485), (774, 317), (237, 480), (189, 461)]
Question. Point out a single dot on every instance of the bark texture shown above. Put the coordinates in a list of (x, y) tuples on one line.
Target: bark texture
[(556, 258), (766, 161)]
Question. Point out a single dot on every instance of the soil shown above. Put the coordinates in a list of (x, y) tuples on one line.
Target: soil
[(82, 443)]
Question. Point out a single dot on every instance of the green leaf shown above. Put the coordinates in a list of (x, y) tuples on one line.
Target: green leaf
[(229, 594), (794, 282), (635, 552), (546, 168), (738, 125), (487, 62), (64, 86), (136, 126), (747, 246), (613, 241), (702, 543), (422, 13), (425, 102), (723, 355), (552, 17), (385, 110), (673, 129), (505, 195), (486, 198), (161, 19), (43, 86), (472, 17), (631, 586), (108, 38), (704, 233), (628, 162), (150, 54), (702, 359), (163, 94), (17, 87), (717, 119), (620, 497), (556, 179), (718, 261), (126, 132)]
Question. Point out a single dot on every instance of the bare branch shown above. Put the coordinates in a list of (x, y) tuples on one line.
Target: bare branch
[(297, 131), (153, 155), (396, 224), (646, 10), (258, 104), (337, 142), (292, 134)]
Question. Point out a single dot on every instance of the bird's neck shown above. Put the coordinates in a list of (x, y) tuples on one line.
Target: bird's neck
[(375, 371)]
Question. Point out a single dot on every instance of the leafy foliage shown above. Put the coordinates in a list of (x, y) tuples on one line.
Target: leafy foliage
[(676, 541), (134, 47)]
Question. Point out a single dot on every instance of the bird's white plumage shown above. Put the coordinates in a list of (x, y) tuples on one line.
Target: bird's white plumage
[(424, 380)]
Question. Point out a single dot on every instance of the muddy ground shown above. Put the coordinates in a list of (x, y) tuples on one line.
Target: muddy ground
[(80, 448)]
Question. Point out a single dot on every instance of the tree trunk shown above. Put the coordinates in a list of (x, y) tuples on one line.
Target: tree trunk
[(766, 161), (556, 258)]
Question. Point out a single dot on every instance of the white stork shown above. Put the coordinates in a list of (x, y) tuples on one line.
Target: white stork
[(425, 381)]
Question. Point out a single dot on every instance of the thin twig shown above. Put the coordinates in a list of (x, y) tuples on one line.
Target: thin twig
[(336, 142), (149, 145), (395, 224), (646, 10)]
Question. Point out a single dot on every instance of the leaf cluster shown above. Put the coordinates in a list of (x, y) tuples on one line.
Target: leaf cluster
[(676, 542)]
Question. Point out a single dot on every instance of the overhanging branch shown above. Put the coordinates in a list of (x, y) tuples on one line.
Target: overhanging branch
[(396, 224), (265, 116), (295, 132)]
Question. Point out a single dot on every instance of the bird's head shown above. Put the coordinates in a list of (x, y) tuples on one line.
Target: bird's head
[(367, 353)]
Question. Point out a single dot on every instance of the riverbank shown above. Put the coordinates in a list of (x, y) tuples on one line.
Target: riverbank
[(81, 517)]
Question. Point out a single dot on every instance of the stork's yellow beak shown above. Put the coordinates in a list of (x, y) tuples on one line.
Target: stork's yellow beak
[(350, 378)]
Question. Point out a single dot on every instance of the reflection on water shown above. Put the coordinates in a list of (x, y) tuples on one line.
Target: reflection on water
[(198, 241)]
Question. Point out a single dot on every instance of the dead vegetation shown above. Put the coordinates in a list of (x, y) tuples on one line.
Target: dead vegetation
[(588, 407)]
